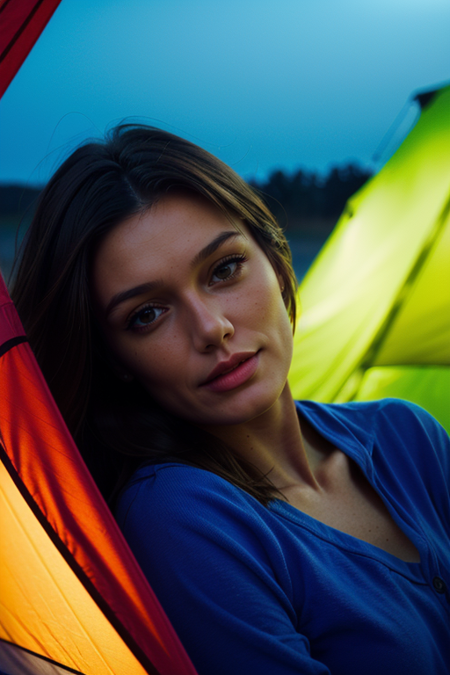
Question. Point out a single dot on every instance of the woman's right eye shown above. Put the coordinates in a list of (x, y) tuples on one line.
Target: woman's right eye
[(145, 317)]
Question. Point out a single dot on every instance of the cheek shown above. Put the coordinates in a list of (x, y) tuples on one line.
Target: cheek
[(272, 304), (146, 361), (156, 364)]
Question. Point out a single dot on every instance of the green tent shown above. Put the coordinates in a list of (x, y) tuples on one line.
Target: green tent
[(375, 305)]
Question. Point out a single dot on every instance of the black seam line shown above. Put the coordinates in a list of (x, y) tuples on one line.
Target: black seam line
[(431, 243), (77, 569), (9, 344), (44, 658), (378, 341), (4, 5), (21, 29)]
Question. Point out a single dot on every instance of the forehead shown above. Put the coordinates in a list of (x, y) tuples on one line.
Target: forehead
[(160, 240)]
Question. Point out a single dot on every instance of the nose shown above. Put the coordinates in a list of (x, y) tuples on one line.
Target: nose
[(209, 327)]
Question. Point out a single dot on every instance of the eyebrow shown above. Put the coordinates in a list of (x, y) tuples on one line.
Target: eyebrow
[(118, 298), (213, 246), (202, 255)]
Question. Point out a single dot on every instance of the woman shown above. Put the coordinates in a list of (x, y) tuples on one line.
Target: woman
[(280, 537)]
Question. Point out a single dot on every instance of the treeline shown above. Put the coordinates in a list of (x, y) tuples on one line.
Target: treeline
[(298, 200), (302, 198)]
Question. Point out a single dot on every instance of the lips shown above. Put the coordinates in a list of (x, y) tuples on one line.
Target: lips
[(233, 372)]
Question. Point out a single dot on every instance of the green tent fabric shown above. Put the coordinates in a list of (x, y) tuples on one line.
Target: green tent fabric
[(375, 304)]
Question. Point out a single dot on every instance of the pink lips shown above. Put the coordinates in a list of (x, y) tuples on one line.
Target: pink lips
[(230, 374)]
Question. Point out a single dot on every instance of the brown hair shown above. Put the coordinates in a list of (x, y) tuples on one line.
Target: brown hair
[(100, 185)]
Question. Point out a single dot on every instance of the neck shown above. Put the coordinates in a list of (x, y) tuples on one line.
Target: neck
[(273, 442)]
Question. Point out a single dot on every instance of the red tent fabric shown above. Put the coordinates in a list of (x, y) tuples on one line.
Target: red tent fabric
[(21, 23), (41, 459)]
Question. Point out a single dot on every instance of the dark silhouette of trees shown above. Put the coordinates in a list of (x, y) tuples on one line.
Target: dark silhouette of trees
[(306, 205), (299, 199)]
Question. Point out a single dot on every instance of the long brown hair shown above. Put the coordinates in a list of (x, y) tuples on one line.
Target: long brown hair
[(116, 425)]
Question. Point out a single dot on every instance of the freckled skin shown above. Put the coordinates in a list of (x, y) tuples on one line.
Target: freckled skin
[(204, 320)]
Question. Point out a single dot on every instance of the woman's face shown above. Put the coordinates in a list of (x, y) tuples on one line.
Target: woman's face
[(192, 308)]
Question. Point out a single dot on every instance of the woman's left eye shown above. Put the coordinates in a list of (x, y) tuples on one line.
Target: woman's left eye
[(227, 269)]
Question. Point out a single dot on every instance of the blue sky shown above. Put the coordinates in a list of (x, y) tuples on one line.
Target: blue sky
[(262, 84)]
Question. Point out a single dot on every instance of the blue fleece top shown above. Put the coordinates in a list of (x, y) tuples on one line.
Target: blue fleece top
[(271, 590)]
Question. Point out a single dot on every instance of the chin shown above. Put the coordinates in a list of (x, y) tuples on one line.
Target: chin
[(241, 408)]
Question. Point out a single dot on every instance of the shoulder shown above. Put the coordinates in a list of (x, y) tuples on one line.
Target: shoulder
[(388, 427), (170, 486), (386, 410), (402, 422), (400, 445), (384, 416), (180, 505)]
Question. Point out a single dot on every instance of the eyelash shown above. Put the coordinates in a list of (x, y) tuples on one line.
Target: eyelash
[(238, 259), (134, 317)]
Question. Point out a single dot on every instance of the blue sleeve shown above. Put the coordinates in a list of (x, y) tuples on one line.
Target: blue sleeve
[(218, 572)]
